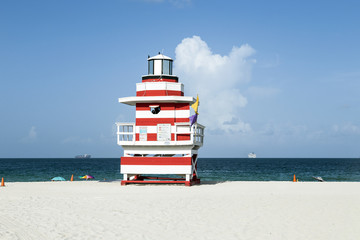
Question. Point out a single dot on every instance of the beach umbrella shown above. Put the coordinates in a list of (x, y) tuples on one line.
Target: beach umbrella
[(87, 177), (58, 179)]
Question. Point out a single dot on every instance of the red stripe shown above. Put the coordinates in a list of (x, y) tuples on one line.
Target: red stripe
[(155, 160), (159, 93), (159, 80), (151, 137), (183, 137), (182, 106), (156, 121), (187, 183), (163, 106)]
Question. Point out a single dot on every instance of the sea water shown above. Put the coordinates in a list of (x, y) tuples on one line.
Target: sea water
[(209, 169)]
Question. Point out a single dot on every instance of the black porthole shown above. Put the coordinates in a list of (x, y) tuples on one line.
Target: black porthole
[(155, 109)]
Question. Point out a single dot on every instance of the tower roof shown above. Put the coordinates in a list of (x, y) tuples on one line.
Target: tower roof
[(156, 99), (160, 56)]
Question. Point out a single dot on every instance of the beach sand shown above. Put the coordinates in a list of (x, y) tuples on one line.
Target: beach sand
[(229, 210)]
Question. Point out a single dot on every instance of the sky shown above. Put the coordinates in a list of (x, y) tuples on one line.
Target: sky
[(278, 78)]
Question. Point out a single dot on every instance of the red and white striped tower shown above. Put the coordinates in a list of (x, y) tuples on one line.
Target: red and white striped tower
[(161, 141)]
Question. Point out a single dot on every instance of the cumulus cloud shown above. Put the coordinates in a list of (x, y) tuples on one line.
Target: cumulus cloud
[(217, 80), (31, 136)]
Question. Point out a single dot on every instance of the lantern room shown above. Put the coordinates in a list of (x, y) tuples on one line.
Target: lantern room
[(160, 65)]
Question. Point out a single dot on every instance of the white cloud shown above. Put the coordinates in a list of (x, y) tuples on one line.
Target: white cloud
[(217, 80), (346, 129), (273, 63), (284, 129), (32, 135)]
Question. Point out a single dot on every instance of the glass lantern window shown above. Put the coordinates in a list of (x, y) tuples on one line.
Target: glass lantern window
[(151, 67), (167, 67)]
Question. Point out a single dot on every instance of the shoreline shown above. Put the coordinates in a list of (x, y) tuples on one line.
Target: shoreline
[(228, 210)]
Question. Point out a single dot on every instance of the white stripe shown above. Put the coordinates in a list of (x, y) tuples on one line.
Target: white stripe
[(159, 86), (164, 114), (175, 87), (183, 129), (182, 113), (156, 169), (187, 150), (161, 151), (125, 144), (157, 66), (150, 129), (153, 129)]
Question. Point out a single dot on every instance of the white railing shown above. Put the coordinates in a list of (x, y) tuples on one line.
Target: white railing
[(197, 133), (181, 129), (125, 133)]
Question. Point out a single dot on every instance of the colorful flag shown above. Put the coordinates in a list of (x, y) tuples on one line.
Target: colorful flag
[(193, 119), (196, 105)]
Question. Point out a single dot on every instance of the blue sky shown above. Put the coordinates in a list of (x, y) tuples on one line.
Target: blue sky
[(279, 78)]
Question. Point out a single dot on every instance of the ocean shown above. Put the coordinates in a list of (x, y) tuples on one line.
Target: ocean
[(209, 169)]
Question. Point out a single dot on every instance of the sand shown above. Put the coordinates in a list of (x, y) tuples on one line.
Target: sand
[(229, 210)]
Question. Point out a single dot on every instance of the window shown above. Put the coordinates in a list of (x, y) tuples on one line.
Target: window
[(166, 67), (151, 67)]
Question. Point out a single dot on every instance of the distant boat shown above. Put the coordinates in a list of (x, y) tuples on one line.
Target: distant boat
[(251, 155), (83, 156)]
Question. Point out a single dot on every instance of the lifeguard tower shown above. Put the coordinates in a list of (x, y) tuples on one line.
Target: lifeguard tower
[(162, 145)]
